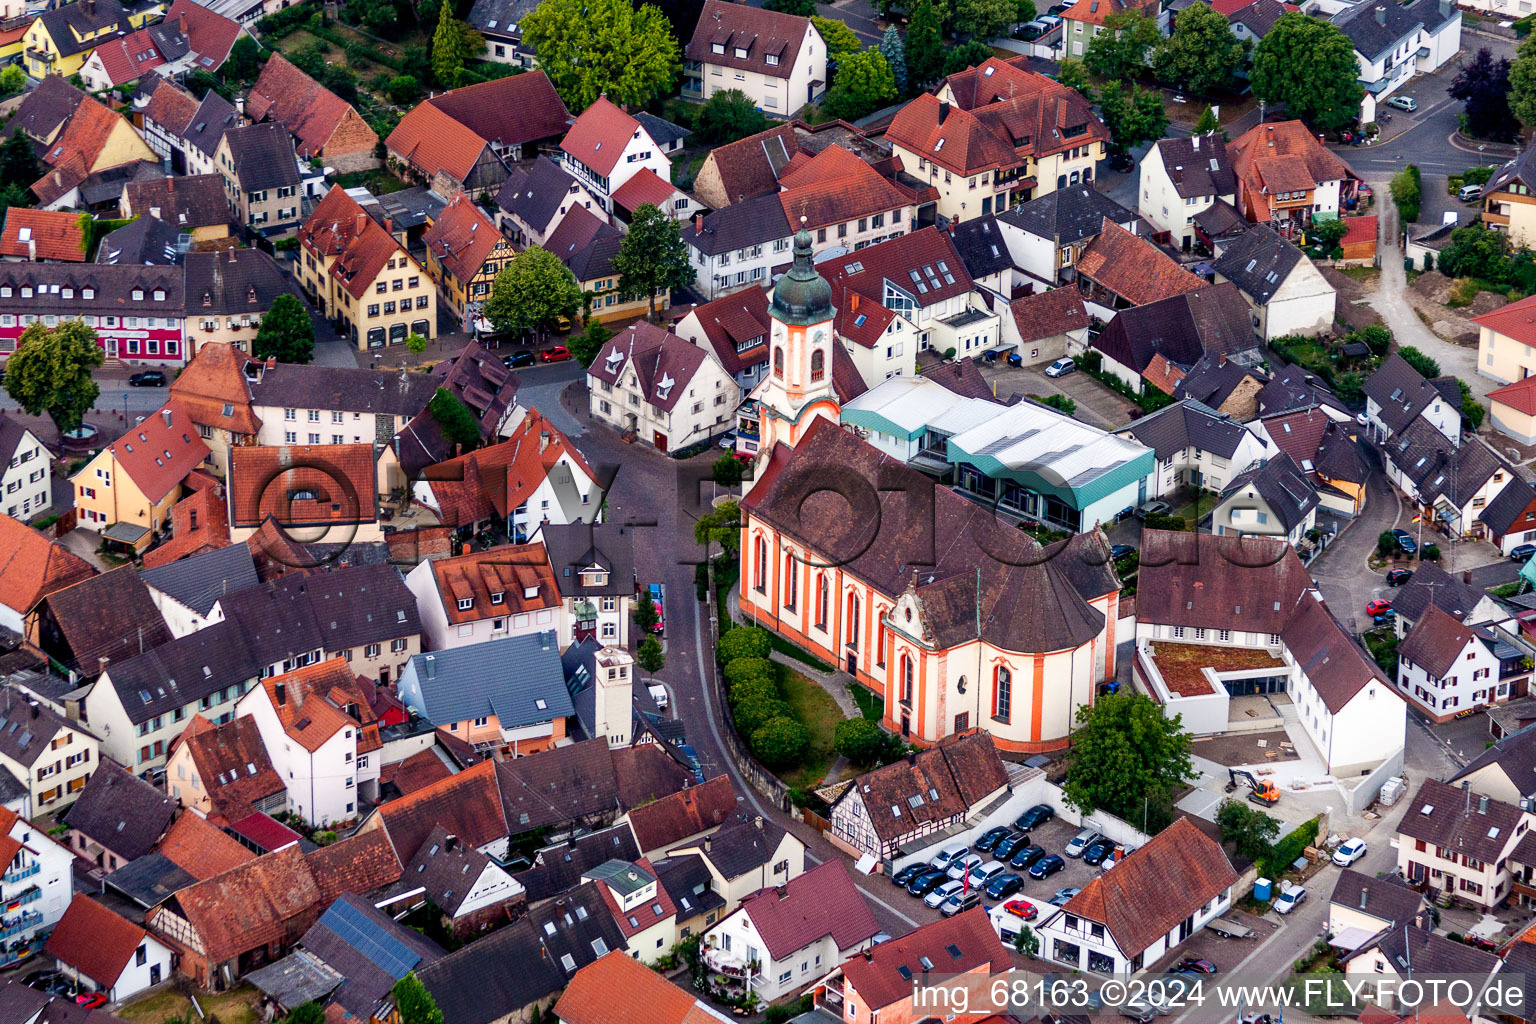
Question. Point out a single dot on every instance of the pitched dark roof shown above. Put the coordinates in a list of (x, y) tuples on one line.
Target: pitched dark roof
[(263, 156), (1283, 486), (743, 844), (1221, 220), (1260, 16), (1421, 952), (664, 363), (1374, 28), (751, 166), (1068, 215), (200, 580), (121, 811), (1514, 753), (937, 785), (822, 903), (499, 17), (392, 392), (215, 116), (688, 882), (1401, 391), (1388, 898), (1198, 166), (1437, 468), (1213, 320), (103, 620), (1446, 816), (448, 869), (1212, 380), (369, 950), (761, 33), (73, 27), (1435, 642), (964, 378), (662, 132), (46, 107), (756, 221), (534, 193), (1291, 388), (981, 246), (1188, 424), (148, 241), (1258, 261), (1433, 585), (192, 201), (558, 785), (238, 282), (576, 546), (560, 867), (479, 379)]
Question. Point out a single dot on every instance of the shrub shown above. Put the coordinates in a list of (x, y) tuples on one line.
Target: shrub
[(747, 670), (1430, 553), (1292, 845), (753, 689), (1386, 544), (744, 642), (753, 715), (859, 740), (1419, 361), (1463, 291), (781, 742), (403, 89), (1060, 402)]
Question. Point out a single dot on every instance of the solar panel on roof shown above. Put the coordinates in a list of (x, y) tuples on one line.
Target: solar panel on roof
[(383, 950)]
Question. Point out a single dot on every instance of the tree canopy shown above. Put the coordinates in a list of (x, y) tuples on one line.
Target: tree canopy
[(799, 8), (925, 45), (729, 115), (842, 42), (1203, 54), (722, 525), (414, 1003), (458, 423), (982, 19), (653, 256), (1475, 251), (864, 84), (1127, 757), (50, 372), (286, 332), (1247, 828), (532, 289), (1309, 65), (650, 656), (1483, 86), (454, 44), (1132, 117), (589, 47), (1122, 48), (243, 63), (1074, 75), (896, 56), (966, 55)]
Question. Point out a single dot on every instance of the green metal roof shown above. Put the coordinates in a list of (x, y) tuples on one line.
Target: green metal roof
[(1100, 487), (870, 420)]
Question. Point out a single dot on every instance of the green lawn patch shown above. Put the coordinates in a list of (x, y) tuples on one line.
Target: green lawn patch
[(871, 704), (814, 708), (378, 181), (1505, 589), (805, 657), (1382, 643)]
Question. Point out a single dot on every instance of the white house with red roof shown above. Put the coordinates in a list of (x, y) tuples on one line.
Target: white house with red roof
[(1506, 342), (640, 905), (736, 328), (35, 888), (669, 392), (785, 937), (606, 147), (107, 953)]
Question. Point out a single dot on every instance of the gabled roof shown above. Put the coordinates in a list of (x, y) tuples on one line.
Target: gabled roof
[(743, 844), (736, 325), (1095, 12), (1512, 506), (1259, 261), (836, 186), (1321, 445), (494, 480), (263, 155), (102, 620), (306, 484), (120, 811), (981, 246), (468, 804), (512, 111), (676, 817), (234, 283), (662, 132), (1376, 28), (1034, 114), (315, 702), (1264, 152), (1388, 898), (751, 166), (148, 241), (1260, 16), (617, 989), (1415, 951), (74, 27), (364, 862), (1188, 424), (958, 945), (1514, 753), (94, 941), (1291, 388), (43, 235), (664, 363), (1280, 481), (1401, 391), (1438, 469), (232, 764), (951, 137), (202, 849), (1134, 268), (32, 566), (255, 905), (1519, 170), (499, 17), (755, 221), (1435, 642), (126, 57), (1432, 585), (924, 264), (160, 451), (1516, 320), (477, 378), (759, 32), (1177, 872), (1198, 166), (597, 138), (507, 579), (535, 193), (645, 186), (431, 140), (369, 949), (214, 117), (462, 238), (517, 680), (940, 784), (214, 390), (306, 108), (559, 785), (1211, 321), (401, 393), (1449, 817), (170, 106), (209, 34), (1519, 396), (29, 728), (578, 233), (45, 109), (185, 203), (819, 904)]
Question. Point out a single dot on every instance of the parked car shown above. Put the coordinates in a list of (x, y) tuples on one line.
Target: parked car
[(905, 876), (1397, 577), (1022, 908), (522, 357), (562, 324), (948, 855), (991, 838), (1032, 30), (558, 354), (1522, 552), (1080, 842), (91, 1000), (942, 893), (1008, 847), (1469, 193), (728, 440), (1380, 606), (1194, 965), (659, 696), (1115, 858), (1290, 898), (1063, 896), (982, 874), (960, 902), (1407, 103), (658, 598), (1349, 851), (1152, 508), (1139, 1011), (1061, 367), (1025, 856), (961, 866), (147, 379), (1004, 885), (1047, 866), (1405, 541), (1052, 19), (1119, 551), (1035, 817), (926, 882), (1095, 852)]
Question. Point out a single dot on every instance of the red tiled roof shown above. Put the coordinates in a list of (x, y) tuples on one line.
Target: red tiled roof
[(1049, 313), (676, 817), (1516, 321), (1519, 396), (461, 239), (646, 186), (53, 235), (1162, 374), (822, 902), (746, 166), (508, 571), (313, 114), (1024, 108), (1134, 268), (921, 251), (493, 480), (734, 320), (642, 915), (199, 522), (861, 321), (509, 111), (210, 34), (267, 901), (361, 863), (223, 756), (760, 32), (160, 452), (958, 143), (201, 849), (467, 804), (171, 107), (214, 379), (125, 58), (1094, 12), (84, 136), (616, 989), (430, 141), (338, 227), (33, 566), (302, 484), (94, 941), (877, 979), (313, 699), (1277, 139), (1358, 229), (599, 136), (835, 186), (416, 772), (264, 830)]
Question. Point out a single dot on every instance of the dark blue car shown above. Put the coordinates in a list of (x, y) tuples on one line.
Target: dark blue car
[(991, 838), (1047, 866), (926, 882), (1025, 856), (1004, 886), (1008, 847), (1035, 817)]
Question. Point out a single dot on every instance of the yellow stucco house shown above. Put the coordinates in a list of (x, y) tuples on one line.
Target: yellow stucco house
[(60, 41), (126, 492)]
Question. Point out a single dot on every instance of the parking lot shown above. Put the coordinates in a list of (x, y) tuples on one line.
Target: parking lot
[(1096, 404)]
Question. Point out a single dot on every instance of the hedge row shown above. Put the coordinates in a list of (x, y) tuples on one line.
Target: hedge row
[(1291, 845)]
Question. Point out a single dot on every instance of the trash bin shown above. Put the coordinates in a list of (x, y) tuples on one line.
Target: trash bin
[(1261, 888)]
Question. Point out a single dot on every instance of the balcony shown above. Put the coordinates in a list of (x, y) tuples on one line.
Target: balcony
[(20, 873), (23, 922), (729, 964)]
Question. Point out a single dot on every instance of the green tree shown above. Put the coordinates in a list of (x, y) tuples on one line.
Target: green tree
[(729, 115), (50, 372), (18, 164), (1132, 117), (1471, 409), (859, 740), (414, 1003), (727, 470), (14, 194), (586, 345), (1063, 403), (799, 8), (305, 1013), (243, 63), (1407, 192), (925, 45), (965, 55), (650, 657), (1208, 124), (1248, 829), (842, 42), (653, 256), (1326, 236), (864, 84), (756, 709), (781, 743), (589, 47), (340, 80), (896, 56), (1419, 361), (744, 642), (1203, 54), (982, 19), (1125, 755), (1026, 941), (531, 290), (1309, 65), (743, 671), (1475, 251), (1122, 48), (451, 48), (415, 343), (1522, 82), (722, 525), (286, 332), (458, 423), (403, 89), (1074, 75), (645, 613)]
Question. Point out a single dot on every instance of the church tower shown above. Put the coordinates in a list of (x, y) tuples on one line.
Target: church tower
[(798, 386)]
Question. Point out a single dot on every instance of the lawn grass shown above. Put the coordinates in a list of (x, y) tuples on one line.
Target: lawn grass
[(1368, 275), (814, 708), (237, 1006), (784, 646), (378, 181), (871, 705), (1506, 589)]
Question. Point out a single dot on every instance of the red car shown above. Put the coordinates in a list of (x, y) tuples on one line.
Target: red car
[(91, 1000), (1022, 908), (1380, 606), (558, 354)]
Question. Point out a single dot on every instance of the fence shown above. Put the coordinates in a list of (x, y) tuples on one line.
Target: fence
[(762, 780)]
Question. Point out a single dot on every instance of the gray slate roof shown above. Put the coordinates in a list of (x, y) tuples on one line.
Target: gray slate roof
[(494, 16), (1202, 171), (534, 193), (1401, 391), (215, 116), (398, 392), (1258, 261), (1374, 28), (238, 282), (27, 726), (687, 881), (981, 247), (661, 131), (559, 867), (1419, 952), (1506, 508), (120, 811), (1433, 585), (505, 678), (1068, 215), (1515, 754), (1221, 220), (263, 156), (149, 880), (147, 241), (754, 222), (1188, 424), (577, 546), (1389, 898), (1287, 491), (198, 581), (743, 844)]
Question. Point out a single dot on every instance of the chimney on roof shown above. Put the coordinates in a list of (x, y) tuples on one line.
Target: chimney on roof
[(758, 821), (1482, 805), (33, 705), (1195, 141), (1466, 576), (853, 302), (240, 105), (154, 211), (1445, 8), (450, 842), (708, 842), (181, 24), (165, 414), (943, 111), (543, 441), (1363, 891), (90, 7), (281, 692), (1381, 15), (429, 665), (782, 891), (32, 249), (389, 225)]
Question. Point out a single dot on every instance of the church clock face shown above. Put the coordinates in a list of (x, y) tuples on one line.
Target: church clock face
[(819, 337)]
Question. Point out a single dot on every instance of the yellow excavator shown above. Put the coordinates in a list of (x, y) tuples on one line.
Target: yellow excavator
[(1265, 793)]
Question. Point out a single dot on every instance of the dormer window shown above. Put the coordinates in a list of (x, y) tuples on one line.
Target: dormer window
[(530, 592), (138, 295), (498, 597), (772, 59), (466, 603), (87, 293), (26, 291), (741, 53), (717, 48)]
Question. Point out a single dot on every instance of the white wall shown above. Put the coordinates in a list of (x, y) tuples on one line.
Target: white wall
[(27, 481)]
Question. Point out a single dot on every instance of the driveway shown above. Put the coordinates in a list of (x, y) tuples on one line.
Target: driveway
[(1096, 404), (1341, 573)]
